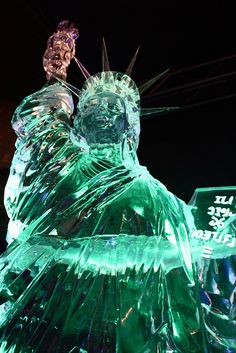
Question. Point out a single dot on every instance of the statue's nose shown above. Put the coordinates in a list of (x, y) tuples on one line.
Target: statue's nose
[(101, 108)]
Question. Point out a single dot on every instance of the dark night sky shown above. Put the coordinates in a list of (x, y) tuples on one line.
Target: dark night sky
[(187, 149)]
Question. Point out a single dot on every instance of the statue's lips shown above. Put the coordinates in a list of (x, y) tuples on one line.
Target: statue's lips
[(101, 120)]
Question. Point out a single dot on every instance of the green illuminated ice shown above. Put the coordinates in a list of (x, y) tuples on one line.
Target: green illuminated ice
[(99, 257)]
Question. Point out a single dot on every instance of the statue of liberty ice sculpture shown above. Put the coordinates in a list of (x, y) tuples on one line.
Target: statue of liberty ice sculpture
[(99, 257)]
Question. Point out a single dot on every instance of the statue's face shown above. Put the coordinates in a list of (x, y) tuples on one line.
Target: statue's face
[(103, 118)]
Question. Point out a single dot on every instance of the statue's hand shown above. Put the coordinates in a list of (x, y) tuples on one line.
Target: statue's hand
[(60, 50)]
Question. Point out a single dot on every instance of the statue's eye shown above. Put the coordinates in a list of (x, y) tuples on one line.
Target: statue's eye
[(117, 108), (90, 104), (94, 101)]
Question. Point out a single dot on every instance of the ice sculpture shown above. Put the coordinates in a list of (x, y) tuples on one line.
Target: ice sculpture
[(99, 256)]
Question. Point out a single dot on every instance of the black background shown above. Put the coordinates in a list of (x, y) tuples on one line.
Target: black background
[(191, 148)]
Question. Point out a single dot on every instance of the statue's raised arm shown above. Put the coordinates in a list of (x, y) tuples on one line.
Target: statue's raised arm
[(44, 145)]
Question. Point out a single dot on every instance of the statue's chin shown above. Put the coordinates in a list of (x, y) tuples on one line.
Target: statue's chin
[(104, 136), (103, 142)]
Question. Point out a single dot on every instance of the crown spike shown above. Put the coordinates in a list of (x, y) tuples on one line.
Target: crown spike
[(149, 83), (105, 60), (157, 111), (132, 62), (82, 69)]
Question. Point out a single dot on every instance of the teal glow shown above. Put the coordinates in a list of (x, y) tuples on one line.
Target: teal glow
[(105, 258)]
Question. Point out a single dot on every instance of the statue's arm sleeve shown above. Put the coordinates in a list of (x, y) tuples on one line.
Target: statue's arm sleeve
[(42, 125), (37, 112)]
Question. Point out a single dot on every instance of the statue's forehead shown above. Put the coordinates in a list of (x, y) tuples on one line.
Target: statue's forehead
[(106, 95)]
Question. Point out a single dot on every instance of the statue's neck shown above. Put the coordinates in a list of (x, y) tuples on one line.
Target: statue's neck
[(116, 154)]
